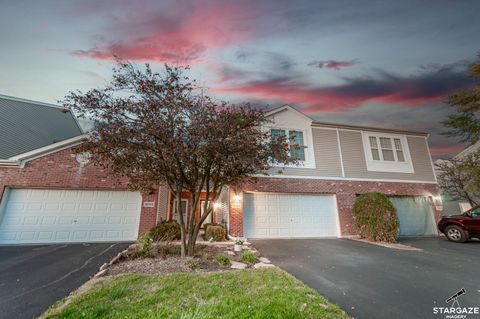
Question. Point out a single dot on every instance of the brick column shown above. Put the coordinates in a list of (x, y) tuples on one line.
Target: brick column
[(148, 215), (236, 214)]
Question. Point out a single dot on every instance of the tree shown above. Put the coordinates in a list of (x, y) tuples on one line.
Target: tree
[(466, 122), (460, 178), (161, 129)]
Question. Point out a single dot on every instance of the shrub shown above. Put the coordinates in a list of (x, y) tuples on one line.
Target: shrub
[(194, 265), (144, 246), (170, 250), (375, 217), (166, 231), (223, 260), (216, 232), (249, 257)]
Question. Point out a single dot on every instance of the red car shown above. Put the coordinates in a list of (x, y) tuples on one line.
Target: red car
[(460, 228)]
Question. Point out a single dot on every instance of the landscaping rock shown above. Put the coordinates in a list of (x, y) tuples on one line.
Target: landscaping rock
[(237, 265), (262, 265), (264, 260), (100, 273), (229, 252)]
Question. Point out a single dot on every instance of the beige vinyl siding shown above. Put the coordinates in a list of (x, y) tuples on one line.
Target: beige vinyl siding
[(355, 165), (327, 157)]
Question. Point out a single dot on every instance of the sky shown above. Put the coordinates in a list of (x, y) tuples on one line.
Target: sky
[(376, 63)]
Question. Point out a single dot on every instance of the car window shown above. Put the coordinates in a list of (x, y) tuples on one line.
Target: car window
[(475, 213)]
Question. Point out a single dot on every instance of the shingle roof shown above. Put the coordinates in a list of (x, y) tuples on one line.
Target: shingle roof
[(27, 125)]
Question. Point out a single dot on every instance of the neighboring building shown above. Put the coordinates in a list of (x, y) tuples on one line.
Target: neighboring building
[(452, 206), (51, 194), (339, 162)]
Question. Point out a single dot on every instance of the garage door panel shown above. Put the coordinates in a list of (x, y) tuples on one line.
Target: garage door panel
[(415, 216), (58, 218), (289, 215)]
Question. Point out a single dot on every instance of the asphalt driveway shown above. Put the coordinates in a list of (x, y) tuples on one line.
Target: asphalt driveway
[(370, 281), (34, 277)]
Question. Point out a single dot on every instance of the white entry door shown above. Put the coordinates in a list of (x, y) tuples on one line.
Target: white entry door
[(269, 215), (38, 216)]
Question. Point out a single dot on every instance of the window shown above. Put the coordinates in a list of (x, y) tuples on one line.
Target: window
[(386, 149), (386, 152), (295, 141), (183, 209)]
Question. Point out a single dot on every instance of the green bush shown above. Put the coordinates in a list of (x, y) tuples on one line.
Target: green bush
[(165, 231), (170, 250), (216, 232), (375, 217), (249, 257), (144, 246), (223, 260)]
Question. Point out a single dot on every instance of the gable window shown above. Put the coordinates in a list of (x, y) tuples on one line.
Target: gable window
[(386, 152), (294, 139)]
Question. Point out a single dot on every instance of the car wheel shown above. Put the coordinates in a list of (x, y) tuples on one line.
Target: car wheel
[(455, 234)]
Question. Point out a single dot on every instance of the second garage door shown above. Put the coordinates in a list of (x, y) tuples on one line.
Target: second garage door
[(269, 215), (38, 216), (415, 215)]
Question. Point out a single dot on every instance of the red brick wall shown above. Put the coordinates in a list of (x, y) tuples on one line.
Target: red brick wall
[(61, 170), (345, 192)]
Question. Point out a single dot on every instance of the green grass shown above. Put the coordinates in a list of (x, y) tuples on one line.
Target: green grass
[(262, 293)]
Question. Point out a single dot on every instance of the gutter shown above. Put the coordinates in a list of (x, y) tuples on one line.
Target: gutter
[(9, 163)]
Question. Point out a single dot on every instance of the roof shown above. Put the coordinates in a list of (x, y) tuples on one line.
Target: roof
[(469, 150), (28, 125), (345, 126)]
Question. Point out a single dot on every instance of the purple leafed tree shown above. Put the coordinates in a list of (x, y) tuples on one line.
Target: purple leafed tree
[(159, 128)]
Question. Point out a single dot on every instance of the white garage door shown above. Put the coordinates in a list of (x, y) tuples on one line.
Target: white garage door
[(289, 215), (61, 216)]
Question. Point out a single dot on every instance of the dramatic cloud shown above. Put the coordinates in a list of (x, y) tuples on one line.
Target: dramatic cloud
[(386, 87), (175, 36), (332, 64)]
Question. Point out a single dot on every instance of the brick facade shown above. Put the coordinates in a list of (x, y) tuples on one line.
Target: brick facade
[(345, 191), (61, 170)]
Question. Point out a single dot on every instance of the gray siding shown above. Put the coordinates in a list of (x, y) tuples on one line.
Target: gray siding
[(327, 156), (25, 126), (355, 165)]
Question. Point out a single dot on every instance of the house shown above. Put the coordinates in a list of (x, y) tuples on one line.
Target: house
[(338, 163), (451, 205), (51, 194)]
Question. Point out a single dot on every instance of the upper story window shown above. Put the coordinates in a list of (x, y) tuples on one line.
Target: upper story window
[(293, 138), (386, 149), (387, 152)]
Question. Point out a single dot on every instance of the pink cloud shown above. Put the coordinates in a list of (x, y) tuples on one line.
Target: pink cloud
[(176, 36)]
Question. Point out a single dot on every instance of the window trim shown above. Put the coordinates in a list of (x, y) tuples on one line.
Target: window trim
[(387, 166), (309, 161)]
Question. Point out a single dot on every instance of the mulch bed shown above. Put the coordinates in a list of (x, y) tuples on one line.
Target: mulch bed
[(165, 259)]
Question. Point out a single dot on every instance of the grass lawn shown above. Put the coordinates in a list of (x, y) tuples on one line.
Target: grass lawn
[(262, 293)]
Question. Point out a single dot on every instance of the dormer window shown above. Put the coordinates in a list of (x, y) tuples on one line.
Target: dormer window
[(294, 139)]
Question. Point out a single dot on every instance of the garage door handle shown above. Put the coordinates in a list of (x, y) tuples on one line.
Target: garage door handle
[(74, 220)]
